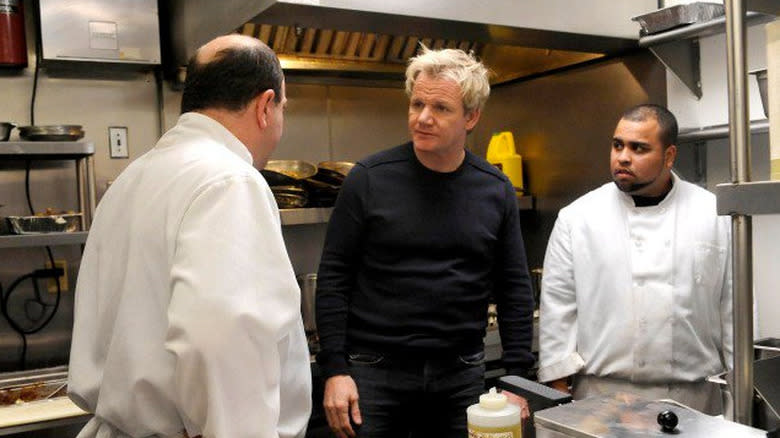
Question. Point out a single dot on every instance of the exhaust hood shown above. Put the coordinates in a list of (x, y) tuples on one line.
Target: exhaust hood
[(371, 39)]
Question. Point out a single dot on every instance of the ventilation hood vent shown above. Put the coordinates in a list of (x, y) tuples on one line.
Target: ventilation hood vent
[(370, 39)]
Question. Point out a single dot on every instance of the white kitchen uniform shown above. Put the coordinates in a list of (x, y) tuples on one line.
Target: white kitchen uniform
[(638, 295), (187, 309)]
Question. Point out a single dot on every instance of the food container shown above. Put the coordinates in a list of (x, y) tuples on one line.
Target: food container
[(26, 386), (58, 223), (679, 15)]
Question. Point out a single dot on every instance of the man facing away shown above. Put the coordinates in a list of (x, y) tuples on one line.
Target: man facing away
[(636, 293), (187, 318), (420, 236)]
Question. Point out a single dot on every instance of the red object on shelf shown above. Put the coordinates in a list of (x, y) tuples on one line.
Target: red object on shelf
[(13, 47)]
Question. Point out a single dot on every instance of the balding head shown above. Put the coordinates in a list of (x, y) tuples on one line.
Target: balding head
[(228, 72)]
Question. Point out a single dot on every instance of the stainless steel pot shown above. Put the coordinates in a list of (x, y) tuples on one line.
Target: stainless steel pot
[(308, 283), (5, 130)]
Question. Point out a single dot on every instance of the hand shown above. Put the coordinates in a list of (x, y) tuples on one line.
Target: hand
[(340, 403), (525, 411), (560, 384)]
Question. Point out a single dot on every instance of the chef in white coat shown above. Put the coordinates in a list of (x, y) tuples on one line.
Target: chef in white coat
[(187, 317), (636, 292)]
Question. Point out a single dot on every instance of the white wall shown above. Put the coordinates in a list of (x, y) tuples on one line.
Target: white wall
[(712, 109)]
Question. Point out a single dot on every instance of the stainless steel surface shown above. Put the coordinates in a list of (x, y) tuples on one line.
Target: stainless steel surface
[(678, 49), (761, 77), (368, 39), (308, 284), (305, 216), (38, 240), (678, 15), (627, 416), (5, 130), (757, 197), (741, 225), (124, 32), (61, 149), (719, 131)]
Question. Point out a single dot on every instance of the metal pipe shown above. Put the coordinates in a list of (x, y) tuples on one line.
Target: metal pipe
[(741, 225)]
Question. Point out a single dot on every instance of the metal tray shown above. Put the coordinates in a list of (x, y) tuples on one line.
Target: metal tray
[(676, 16), (59, 223)]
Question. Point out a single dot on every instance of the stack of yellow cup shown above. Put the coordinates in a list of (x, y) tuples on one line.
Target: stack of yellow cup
[(502, 154)]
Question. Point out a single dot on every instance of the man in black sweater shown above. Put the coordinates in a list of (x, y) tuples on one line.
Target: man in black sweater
[(421, 236)]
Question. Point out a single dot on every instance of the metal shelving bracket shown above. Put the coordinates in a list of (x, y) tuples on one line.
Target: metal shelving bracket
[(678, 49), (748, 198), (681, 57)]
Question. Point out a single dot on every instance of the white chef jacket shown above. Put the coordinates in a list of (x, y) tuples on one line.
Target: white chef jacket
[(187, 309), (641, 294)]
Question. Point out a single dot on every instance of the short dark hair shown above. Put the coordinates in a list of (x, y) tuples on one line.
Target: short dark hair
[(666, 120), (232, 78)]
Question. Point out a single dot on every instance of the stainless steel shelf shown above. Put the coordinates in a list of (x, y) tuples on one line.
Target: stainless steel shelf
[(678, 49), (46, 149), (43, 239), (759, 197), (698, 30), (304, 216), (718, 131)]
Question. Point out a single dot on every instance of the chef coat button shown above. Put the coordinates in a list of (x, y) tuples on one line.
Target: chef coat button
[(668, 243), (698, 279), (641, 282), (641, 362)]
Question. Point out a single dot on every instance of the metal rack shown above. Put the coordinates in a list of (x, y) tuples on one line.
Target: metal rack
[(82, 153), (678, 49)]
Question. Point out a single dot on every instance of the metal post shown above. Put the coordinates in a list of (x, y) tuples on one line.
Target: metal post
[(741, 225)]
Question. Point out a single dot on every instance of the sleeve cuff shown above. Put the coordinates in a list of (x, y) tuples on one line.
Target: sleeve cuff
[(571, 364), (332, 364)]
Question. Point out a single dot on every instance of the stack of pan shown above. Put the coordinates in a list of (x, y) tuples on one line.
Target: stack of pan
[(297, 183)]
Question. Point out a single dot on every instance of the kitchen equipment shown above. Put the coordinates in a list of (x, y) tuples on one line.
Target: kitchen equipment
[(105, 31), (275, 179), (297, 169), (340, 167), (308, 284), (628, 416), (679, 15), (51, 132), (761, 77), (766, 403), (5, 129), (289, 196), (13, 47)]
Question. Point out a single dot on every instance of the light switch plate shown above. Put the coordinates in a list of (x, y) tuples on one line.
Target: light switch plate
[(117, 142)]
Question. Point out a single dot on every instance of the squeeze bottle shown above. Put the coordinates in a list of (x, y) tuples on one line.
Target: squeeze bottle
[(494, 417)]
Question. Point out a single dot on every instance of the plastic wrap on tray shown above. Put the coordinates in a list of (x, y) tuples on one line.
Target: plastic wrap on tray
[(59, 223)]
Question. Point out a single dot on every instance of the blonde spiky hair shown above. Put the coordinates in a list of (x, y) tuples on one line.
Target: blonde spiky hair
[(463, 68)]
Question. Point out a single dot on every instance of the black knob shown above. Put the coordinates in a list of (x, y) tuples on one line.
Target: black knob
[(667, 420)]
